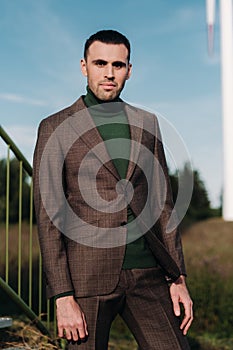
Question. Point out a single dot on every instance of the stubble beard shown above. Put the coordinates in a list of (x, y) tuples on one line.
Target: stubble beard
[(105, 95)]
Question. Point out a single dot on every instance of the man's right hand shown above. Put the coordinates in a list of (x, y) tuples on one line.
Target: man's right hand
[(71, 321)]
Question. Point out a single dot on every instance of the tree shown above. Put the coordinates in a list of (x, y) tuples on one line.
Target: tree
[(13, 191), (199, 207)]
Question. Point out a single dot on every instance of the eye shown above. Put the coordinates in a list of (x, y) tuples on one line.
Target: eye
[(119, 64), (100, 63)]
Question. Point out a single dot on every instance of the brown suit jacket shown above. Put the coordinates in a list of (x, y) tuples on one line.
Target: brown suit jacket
[(82, 236)]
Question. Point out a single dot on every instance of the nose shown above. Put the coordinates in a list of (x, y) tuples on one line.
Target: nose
[(109, 72)]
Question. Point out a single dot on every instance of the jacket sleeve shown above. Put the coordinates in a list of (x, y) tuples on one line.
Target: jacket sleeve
[(52, 243), (171, 238)]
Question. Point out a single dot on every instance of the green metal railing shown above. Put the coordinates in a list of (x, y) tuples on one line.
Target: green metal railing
[(12, 285)]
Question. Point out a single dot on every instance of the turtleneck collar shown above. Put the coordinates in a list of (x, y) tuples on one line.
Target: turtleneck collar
[(92, 100), (103, 107)]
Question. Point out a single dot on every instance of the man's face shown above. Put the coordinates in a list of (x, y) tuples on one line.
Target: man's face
[(106, 68)]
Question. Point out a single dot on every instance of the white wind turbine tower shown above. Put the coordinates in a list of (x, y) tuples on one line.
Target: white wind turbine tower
[(226, 37)]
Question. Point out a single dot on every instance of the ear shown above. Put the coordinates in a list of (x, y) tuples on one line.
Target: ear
[(129, 71), (83, 66)]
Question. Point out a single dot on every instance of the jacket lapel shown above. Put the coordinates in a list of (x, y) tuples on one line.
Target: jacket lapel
[(135, 120), (83, 124)]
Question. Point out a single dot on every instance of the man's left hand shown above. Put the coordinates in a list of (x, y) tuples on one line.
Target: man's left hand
[(179, 294)]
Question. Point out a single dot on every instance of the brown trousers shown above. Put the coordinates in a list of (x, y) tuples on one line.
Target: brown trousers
[(142, 299)]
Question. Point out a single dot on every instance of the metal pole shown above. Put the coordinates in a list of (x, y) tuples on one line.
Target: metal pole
[(24, 307), (210, 18), (19, 155), (226, 24)]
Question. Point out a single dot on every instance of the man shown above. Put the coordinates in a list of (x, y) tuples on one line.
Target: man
[(107, 251)]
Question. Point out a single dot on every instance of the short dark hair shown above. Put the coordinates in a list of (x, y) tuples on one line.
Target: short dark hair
[(108, 37)]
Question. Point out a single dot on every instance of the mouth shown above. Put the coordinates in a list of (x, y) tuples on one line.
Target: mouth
[(108, 86)]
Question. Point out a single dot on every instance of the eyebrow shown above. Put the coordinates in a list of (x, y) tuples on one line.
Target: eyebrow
[(98, 61)]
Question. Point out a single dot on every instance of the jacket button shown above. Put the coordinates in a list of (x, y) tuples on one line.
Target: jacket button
[(123, 223)]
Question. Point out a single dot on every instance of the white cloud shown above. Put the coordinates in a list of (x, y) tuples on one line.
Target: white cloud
[(180, 19), (15, 98)]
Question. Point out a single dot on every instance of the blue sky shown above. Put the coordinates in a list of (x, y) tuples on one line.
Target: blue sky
[(42, 43)]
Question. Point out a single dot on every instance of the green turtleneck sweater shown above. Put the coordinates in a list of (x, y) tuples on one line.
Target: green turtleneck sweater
[(112, 123)]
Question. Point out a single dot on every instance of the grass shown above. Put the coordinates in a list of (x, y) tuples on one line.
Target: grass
[(13, 260), (120, 337), (208, 245), (209, 260), (13, 246), (24, 334)]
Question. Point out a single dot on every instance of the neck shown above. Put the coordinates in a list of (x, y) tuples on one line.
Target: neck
[(102, 107), (91, 99)]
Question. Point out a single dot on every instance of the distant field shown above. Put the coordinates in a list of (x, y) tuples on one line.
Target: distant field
[(209, 244), (13, 245), (7, 306), (208, 249), (206, 243)]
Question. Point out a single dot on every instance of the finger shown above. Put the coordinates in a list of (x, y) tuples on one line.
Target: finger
[(185, 330), (67, 334), (187, 319), (74, 334), (176, 306), (187, 325), (85, 324), (81, 328), (60, 332)]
